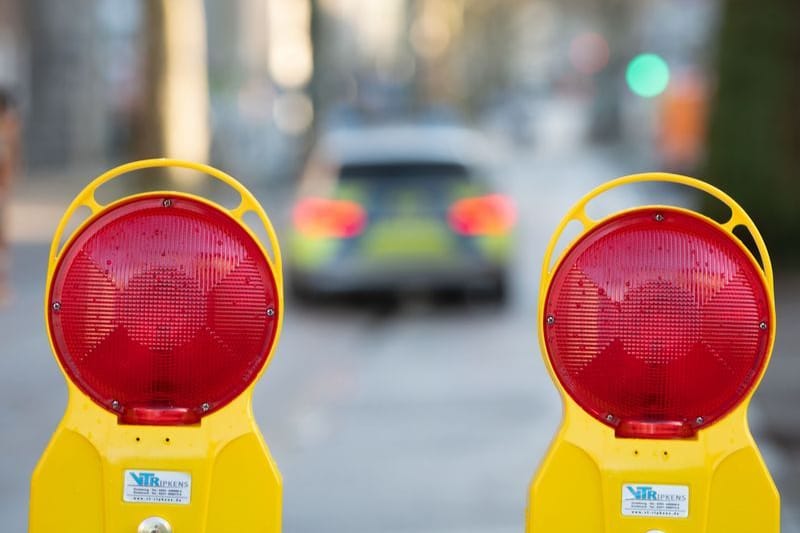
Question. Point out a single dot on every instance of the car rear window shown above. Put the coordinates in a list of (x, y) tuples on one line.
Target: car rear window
[(404, 172)]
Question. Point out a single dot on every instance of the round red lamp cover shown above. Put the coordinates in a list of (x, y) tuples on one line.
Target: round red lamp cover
[(657, 323), (163, 310)]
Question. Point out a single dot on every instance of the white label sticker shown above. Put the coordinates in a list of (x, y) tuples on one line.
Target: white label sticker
[(157, 486), (662, 501)]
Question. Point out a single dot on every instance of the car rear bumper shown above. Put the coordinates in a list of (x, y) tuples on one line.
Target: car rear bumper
[(354, 279)]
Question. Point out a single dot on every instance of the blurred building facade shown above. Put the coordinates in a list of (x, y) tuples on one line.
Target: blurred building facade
[(108, 80)]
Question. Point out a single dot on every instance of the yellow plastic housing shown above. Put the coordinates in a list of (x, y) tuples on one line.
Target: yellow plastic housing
[(78, 485), (579, 485)]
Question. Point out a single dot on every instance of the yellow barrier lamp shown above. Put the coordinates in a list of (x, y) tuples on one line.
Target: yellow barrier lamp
[(163, 310), (656, 325)]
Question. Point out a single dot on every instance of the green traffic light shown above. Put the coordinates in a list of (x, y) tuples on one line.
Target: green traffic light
[(647, 75)]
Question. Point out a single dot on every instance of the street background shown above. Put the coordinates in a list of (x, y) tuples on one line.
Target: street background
[(415, 415)]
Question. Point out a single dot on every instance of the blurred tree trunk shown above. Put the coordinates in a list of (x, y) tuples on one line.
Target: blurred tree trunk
[(325, 79), (175, 112), (316, 85), (150, 141), (617, 20), (754, 139), (488, 37)]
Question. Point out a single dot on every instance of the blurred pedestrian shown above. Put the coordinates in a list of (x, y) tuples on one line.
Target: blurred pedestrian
[(9, 163)]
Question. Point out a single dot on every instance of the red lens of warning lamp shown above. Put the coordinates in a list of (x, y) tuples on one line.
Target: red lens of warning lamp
[(163, 311), (322, 217), (657, 323), (484, 215)]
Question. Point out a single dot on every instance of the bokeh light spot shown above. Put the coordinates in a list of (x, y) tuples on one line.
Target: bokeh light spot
[(589, 53), (647, 75)]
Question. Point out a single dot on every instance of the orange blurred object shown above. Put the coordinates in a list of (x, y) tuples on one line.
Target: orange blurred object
[(683, 121)]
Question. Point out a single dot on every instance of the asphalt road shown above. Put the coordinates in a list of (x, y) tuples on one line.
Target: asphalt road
[(417, 418)]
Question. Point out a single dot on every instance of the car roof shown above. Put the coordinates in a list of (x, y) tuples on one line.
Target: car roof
[(404, 144)]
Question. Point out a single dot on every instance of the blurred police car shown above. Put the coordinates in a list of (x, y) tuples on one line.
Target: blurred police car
[(399, 209)]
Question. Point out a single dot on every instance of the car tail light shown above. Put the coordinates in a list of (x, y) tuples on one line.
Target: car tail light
[(163, 311), (484, 215), (322, 217), (657, 323)]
